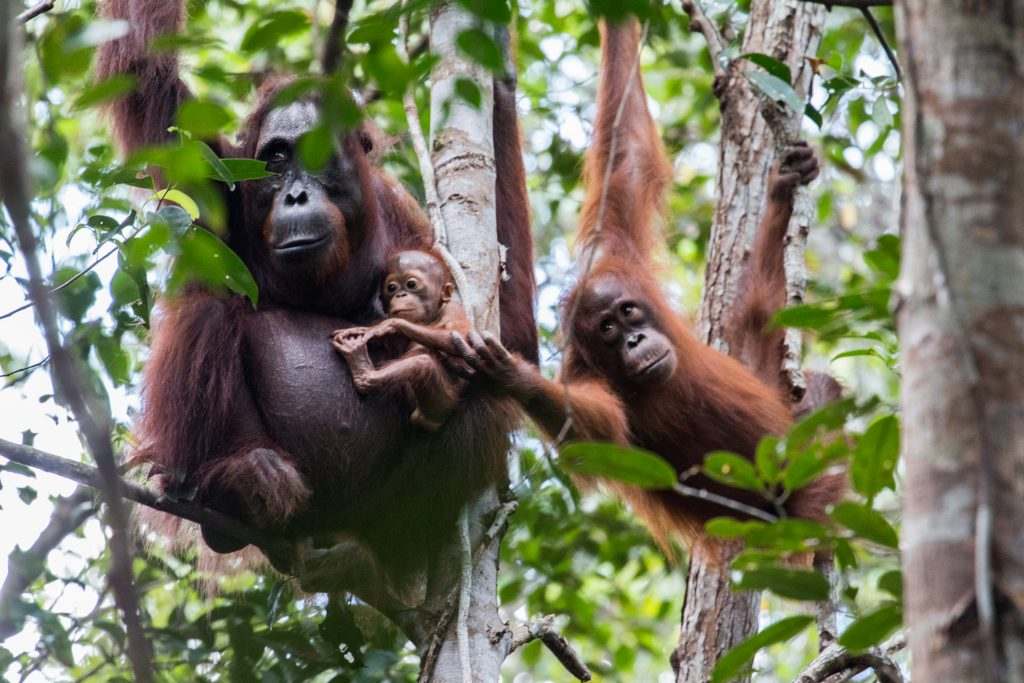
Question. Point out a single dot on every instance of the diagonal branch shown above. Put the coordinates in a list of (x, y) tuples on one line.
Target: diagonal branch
[(700, 22), (877, 30), (89, 476), (24, 567), (93, 424), (836, 663), (543, 629), (36, 10), (334, 45)]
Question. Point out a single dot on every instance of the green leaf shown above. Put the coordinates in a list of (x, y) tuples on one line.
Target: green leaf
[(187, 204), (238, 170), (115, 359), (884, 257), (203, 118), (630, 465), (735, 660), (771, 65), (732, 469), (206, 257), (497, 11), (873, 628), (268, 31), (892, 583), (481, 48), (875, 458), (104, 91), (805, 316), (866, 523), (814, 115), (730, 527), (768, 459), (803, 469), (795, 584), (27, 494), (316, 146), (775, 89), (845, 557)]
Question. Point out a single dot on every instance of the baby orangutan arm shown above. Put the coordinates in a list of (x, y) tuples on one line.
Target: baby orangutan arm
[(596, 413)]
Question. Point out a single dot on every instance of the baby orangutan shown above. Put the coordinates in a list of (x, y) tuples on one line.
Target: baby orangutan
[(417, 296)]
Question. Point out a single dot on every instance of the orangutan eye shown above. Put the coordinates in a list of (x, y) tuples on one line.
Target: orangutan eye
[(391, 288), (607, 327), (411, 285)]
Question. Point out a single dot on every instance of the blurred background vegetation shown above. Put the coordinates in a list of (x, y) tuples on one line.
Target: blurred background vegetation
[(583, 558)]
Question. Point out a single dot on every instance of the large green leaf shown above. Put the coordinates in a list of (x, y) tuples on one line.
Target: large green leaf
[(866, 523), (732, 469), (268, 31), (481, 48), (204, 257), (735, 661), (630, 465), (873, 628), (795, 584), (874, 459)]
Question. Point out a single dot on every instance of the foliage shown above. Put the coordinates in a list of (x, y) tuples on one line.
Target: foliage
[(109, 240)]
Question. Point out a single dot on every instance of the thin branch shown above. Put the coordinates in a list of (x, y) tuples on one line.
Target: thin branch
[(93, 423), (129, 219), (90, 476), (465, 595), (742, 508), (700, 22), (836, 664), (334, 45), (24, 567), (873, 23), (27, 368), (35, 11), (543, 629)]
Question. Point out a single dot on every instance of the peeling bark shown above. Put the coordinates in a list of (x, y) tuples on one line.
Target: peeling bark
[(961, 326), (714, 618)]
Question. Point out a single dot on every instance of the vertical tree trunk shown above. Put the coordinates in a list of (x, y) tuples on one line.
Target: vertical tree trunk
[(714, 618), (462, 152), (961, 325)]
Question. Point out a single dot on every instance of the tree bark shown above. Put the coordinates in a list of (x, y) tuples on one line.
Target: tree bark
[(961, 323), (462, 153), (789, 31)]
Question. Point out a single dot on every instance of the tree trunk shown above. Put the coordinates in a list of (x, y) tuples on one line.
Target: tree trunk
[(462, 152), (789, 31), (961, 324)]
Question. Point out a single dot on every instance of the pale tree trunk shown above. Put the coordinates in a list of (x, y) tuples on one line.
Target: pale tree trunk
[(714, 618), (961, 326)]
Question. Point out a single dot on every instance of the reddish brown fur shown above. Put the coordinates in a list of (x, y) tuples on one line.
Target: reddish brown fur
[(712, 401), (202, 425)]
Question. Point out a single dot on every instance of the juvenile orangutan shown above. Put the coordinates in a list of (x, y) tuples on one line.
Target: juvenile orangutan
[(417, 296)]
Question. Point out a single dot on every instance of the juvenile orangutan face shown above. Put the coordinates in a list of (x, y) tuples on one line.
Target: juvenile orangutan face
[(416, 288), (622, 333)]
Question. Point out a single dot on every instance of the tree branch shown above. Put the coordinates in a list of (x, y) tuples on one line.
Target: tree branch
[(34, 11), (877, 30), (835, 664), (89, 476), (543, 629), (93, 423), (701, 23), (334, 45), (24, 567)]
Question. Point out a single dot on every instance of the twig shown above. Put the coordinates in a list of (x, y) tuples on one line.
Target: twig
[(334, 45), (543, 629), (27, 368), (873, 23), (90, 476), (23, 567), (34, 11), (28, 304), (700, 22), (704, 494), (836, 664), (94, 426)]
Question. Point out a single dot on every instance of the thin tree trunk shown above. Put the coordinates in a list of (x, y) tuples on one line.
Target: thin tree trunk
[(714, 619), (462, 152), (961, 325)]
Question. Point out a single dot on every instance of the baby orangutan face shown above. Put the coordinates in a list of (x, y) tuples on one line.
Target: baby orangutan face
[(416, 288)]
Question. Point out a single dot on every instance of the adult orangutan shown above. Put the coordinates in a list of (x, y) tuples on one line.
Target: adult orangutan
[(252, 411), (633, 373)]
